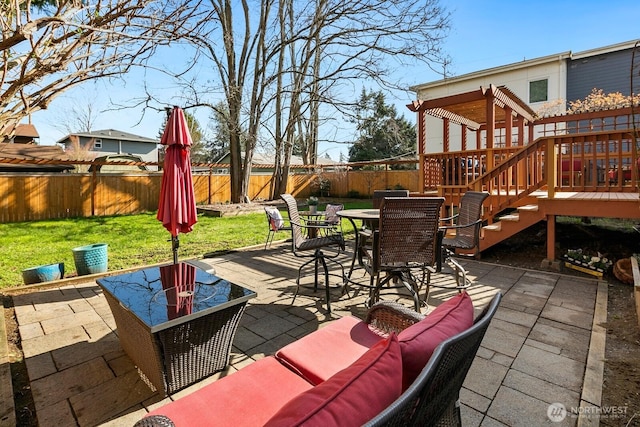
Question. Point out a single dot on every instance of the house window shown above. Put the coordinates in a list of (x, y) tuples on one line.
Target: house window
[(538, 91), (97, 143)]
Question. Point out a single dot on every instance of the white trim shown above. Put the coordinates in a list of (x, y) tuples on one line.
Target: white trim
[(491, 71), (526, 64)]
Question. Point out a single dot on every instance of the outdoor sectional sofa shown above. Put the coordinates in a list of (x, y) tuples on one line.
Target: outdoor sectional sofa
[(397, 367)]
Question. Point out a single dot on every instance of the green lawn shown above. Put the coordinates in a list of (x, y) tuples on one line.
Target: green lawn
[(134, 240)]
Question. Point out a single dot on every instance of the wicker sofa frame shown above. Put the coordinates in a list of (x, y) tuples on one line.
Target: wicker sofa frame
[(433, 398)]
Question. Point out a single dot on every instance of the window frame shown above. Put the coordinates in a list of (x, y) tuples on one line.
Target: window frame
[(533, 90)]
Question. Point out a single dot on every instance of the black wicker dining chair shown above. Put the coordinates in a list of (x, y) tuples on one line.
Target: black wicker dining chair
[(379, 196), (460, 231), (434, 397), (466, 224), (314, 248), (405, 244)]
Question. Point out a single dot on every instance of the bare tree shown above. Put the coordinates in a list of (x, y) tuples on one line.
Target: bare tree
[(333, 44), (281, 65), (80, 117), (48, 47)]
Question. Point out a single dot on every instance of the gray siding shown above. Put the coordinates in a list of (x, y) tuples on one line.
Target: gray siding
[(609, 72)]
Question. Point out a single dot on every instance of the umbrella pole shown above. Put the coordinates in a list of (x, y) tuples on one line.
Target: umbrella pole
[(175, 244)]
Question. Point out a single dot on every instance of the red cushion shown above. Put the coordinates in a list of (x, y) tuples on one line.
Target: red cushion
[(352, 396), (320, 355), (419, 340), (248, 397)]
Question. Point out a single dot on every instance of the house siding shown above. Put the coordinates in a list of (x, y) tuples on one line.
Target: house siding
[(116, 142), (609, 72)]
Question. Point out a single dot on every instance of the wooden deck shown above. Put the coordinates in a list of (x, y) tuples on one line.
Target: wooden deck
[(540, 207)]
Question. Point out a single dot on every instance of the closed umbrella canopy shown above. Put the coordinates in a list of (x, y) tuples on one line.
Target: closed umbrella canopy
[(177, 206)]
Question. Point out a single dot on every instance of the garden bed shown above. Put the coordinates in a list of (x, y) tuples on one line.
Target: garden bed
[(235, 209)]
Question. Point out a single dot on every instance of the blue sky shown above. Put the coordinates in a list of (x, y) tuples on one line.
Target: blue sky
[(484, 34)]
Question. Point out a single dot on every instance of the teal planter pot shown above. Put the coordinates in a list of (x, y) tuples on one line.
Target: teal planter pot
[(91, 259), (43, 273)]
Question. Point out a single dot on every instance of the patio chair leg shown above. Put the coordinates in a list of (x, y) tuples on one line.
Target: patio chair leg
[(298, 279), (315, 272), (269, 239), (426, 296), (326, 284)]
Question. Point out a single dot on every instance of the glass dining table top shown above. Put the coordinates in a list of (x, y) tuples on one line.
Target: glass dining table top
[(364, 214), (163, 296)]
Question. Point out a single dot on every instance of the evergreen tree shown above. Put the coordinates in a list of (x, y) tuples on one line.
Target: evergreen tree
[(382, 134)]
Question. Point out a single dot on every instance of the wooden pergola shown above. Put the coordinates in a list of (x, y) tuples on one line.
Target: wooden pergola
[(482, 110)]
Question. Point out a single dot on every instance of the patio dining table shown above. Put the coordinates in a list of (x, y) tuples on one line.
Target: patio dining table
[(370, 216)]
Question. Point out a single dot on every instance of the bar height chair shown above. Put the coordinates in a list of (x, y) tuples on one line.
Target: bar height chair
[(462, 232), (406, 243), (314, 248)]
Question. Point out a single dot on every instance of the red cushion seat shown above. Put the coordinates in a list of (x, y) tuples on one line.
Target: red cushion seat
[(351, 397), (320, 355), (248, 397)]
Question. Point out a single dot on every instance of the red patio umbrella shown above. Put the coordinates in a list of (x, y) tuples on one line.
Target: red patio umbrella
[(177, 206)]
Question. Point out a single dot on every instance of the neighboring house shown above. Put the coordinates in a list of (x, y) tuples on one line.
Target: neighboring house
[(264, 165), (24, 133), (32, 152), (110, 141), (539, 82)]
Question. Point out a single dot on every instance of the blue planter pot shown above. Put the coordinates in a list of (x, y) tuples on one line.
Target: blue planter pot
[(91, 259), (43, 273)]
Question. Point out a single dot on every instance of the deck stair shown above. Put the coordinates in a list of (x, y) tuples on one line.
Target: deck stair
[(509, 225)]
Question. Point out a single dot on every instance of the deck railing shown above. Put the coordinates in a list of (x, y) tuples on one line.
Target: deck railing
[(596, 162)]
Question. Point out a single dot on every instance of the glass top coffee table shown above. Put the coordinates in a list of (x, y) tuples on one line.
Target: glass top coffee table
[(176, 322)]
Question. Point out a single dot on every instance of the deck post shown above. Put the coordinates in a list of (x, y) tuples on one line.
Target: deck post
[(551, 237)]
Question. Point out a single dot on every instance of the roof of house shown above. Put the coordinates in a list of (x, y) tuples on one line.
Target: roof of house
[(32, 152), (110, 134), (22, 132), (27, 129), (265, 159), (526, 64)]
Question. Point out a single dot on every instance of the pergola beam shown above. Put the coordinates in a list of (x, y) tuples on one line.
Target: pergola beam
[(456, 118), (505, 100)]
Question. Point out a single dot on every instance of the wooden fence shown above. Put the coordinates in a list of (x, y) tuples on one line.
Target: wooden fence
[(29, 197)]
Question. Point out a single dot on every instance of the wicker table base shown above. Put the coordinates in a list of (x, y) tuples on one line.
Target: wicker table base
[(175, 352), (174, 358)]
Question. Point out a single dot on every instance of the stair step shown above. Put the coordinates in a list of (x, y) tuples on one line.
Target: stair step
[(531, 208), (510, 217), (493, 227)]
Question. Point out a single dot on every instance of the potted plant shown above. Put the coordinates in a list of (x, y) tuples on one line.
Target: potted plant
[(576, 259), (313, 204)]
